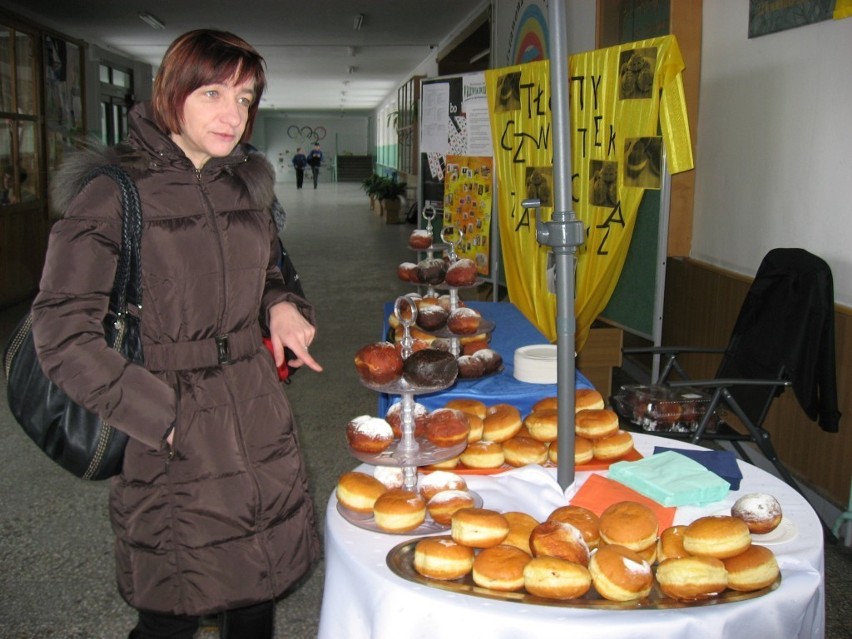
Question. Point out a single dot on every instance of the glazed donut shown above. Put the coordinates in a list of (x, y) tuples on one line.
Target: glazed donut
[(468, 405), (399, 510), (753, 569), (596, 423), (378, 363), (556, 578), (476, 428), (479, 527), (358, 491), (520, 451), (559, 539), (760, 512), (442, 558), (443, 505), (439, 481), (368, 434), (520, 527), (619, 574), (500, 568), (584, 451), (629, 524), (447, 464), (462, 272), (543, 424), (394, 418), (447, 427), (464, 321), (547, 403), (717, 536), (692, 578), (670, 544), (612, 447), (483, 454), (583, 519), (502, 422), (587, 399)]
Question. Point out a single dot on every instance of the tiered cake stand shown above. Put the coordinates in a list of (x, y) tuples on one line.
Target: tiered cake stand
[(409, 452)]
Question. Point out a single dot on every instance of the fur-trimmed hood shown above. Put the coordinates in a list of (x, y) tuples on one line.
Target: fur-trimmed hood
[(148, 149)]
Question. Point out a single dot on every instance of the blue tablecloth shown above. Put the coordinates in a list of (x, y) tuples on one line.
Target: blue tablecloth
[(512, 330)]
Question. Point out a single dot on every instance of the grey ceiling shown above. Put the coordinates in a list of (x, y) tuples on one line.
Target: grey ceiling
[(315, 58)]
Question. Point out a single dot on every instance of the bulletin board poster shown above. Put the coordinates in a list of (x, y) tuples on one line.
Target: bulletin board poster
[(454, 122), (467, 206), (619, 99)]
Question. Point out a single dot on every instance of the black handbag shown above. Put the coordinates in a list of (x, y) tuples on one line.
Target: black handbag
[(73, 437)]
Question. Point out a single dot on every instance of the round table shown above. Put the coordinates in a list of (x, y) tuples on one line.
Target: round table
[(364, 598)]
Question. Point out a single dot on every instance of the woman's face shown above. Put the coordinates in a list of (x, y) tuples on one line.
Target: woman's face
[(214, 118)]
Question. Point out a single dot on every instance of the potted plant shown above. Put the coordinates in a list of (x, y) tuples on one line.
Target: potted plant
[(370, 186), (390, 193)]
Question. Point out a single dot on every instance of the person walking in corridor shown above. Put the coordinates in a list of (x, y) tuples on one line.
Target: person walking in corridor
[(315, 160), (300, 161), (211, 512)]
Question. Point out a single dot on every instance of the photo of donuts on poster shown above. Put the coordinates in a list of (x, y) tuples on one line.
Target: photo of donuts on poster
[(456, 166), (467, 205)]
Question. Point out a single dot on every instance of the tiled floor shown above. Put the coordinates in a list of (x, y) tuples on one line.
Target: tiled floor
[(56, 569)]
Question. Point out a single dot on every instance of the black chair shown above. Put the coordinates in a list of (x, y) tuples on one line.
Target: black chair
[(783, 337)]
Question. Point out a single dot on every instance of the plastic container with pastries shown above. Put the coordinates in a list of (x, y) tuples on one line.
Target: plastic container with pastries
[(658, 408)]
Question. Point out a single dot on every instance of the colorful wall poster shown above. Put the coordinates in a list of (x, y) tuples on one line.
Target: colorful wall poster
[(467, 206)]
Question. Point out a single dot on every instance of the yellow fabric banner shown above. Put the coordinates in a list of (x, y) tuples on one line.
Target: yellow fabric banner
[(620, 98)]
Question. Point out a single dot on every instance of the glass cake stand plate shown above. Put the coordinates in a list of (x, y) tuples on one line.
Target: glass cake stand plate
[(401, 386), (439, 246), (400, 560), (486, 326), (425, 454), (428, 527)]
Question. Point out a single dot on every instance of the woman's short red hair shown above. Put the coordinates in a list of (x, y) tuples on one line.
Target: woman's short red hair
[(202, 57)]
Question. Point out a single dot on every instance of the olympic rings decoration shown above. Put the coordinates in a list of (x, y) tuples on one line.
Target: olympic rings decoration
[(306, 133)]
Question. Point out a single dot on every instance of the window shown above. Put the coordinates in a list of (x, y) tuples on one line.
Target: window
[(116, 99), (19, 137)]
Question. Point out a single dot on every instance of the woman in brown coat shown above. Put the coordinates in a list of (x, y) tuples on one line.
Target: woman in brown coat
[(211, 511)]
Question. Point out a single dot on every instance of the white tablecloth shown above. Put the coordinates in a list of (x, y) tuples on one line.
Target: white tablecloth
[(364, 599)]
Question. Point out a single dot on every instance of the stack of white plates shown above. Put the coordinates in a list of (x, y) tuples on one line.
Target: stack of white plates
[(536, 364)]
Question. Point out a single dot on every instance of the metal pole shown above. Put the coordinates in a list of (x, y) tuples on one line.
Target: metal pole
[(564, 234)]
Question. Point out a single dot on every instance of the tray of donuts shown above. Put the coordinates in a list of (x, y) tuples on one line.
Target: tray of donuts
[(576, 558), (440, 271), (382, 367), (380, 502), (435, 325), (501, 438), (438, 435)]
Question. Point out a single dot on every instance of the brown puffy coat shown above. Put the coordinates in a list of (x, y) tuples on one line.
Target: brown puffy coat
[(224, 519)]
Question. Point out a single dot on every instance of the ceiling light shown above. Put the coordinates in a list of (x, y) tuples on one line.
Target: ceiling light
[(359, 22), (152, 21)]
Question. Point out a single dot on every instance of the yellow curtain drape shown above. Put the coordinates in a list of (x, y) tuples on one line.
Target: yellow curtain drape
[(621, 99)]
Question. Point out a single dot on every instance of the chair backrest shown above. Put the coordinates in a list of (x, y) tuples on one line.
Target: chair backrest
[(788, 309)]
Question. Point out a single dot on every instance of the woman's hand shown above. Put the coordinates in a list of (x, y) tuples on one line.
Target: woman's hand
[(288, 328)]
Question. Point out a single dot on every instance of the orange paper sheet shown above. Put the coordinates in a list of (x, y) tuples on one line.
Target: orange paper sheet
[(600, 492)]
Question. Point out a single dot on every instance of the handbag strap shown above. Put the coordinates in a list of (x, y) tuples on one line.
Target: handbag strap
[(127, 286)]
